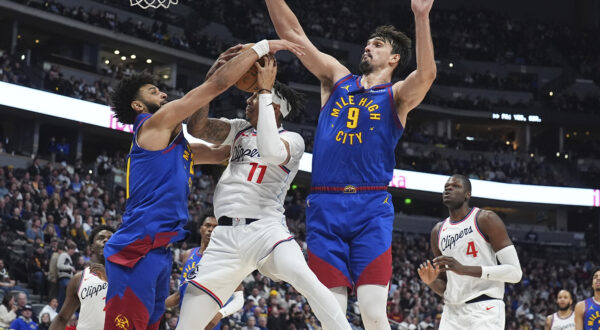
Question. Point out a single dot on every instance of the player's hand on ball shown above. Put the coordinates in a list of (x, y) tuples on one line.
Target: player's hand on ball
[(277, 45), (223, 58), (427, 272), (446, 263), (421, 7), (266, 73)]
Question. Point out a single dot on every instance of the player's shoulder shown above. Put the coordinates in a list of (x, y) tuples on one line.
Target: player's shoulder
[(437, 227), (487, 216)]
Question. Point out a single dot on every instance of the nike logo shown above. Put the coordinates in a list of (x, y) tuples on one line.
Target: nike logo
[(488, 308)]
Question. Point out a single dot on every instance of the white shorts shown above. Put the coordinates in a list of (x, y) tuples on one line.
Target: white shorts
[(233, 253), (483, 315)]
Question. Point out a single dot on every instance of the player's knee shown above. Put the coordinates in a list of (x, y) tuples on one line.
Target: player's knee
[(372, 314)]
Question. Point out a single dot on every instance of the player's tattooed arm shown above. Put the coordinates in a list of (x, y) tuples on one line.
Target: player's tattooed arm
[(213, 130)]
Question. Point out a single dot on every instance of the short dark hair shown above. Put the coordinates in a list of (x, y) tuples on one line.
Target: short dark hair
[(127, 92), (294, 99), (98, 229), (466, 182), (401, 44), (595, 271)]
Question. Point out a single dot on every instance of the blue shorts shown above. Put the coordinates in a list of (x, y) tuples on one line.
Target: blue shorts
[(349, 237), (136, 296)]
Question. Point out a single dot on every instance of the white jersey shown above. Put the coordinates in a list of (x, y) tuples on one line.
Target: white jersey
[(464, 242), (250, 187), (92, 296), (567, 323)]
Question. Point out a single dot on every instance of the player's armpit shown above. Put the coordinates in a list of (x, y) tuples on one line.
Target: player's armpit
[(172, 300)]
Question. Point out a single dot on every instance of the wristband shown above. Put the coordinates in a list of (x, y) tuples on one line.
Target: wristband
[(264, 89), (261, 48)]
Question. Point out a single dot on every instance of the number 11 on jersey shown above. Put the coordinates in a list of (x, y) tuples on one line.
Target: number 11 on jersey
[(261, 174)]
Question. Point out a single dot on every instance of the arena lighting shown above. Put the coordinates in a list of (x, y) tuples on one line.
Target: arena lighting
[(117, 52), (55, 105), (149, 61), (132, 56), (123, 58)]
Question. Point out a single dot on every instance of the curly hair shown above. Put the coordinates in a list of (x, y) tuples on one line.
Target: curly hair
[(401, 44), (295, 99), (125, 93), (98, 229)]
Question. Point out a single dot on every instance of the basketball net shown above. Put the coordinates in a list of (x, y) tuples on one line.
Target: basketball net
[(153, 3)]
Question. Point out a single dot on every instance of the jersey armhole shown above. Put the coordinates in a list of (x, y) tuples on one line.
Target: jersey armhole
[(81, 280), (477, 226)]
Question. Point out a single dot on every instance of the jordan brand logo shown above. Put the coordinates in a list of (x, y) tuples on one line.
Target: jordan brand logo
[(347, 88)]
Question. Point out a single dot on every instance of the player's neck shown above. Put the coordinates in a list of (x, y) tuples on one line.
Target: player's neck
[(597, 297), (375, 78), (564, 314), (459, 213), (202, 248)]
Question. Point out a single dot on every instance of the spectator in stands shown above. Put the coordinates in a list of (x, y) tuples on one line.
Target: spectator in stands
[(7, 284), (44, 322), (50, 309), (22, 303), (66, 270), (36, 270), (251, 324), (275, 321), (35, 230), (7, 310), (25, 321)]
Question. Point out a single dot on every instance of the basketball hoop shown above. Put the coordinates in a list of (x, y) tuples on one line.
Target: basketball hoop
[(153, 3)]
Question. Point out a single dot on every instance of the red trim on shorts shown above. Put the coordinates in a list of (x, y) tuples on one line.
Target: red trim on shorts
[(133, 252), (379, 271), (127, 312), (208, 292), (330, 276), (328, 189)]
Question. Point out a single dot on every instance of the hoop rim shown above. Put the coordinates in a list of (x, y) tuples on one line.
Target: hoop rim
[(144, 4)]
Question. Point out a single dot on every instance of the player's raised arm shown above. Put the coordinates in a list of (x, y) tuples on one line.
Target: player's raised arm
[(173, 113), (410, 92), (210, 129), (323, 66)]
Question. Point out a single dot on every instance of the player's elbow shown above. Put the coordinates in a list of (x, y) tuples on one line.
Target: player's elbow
[(515, 276)]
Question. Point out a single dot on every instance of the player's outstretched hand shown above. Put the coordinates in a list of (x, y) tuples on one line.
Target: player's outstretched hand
[(266, 74), (213, 323), (427, 272), (421, 7), (446, 263), (277, 45), (223, 58)]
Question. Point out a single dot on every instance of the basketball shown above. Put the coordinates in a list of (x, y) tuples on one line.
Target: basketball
[(247, 82)]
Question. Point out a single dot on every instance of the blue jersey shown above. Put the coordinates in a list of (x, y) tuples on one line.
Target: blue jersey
[(591, 316), (190, 266), (356, 135), (158, 185)]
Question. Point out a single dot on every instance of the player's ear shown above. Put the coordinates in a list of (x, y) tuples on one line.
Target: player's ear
[(394, 58), (137, 106)]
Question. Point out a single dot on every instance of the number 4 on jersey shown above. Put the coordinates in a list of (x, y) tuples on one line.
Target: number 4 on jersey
[(261, 174), (471, 249)]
